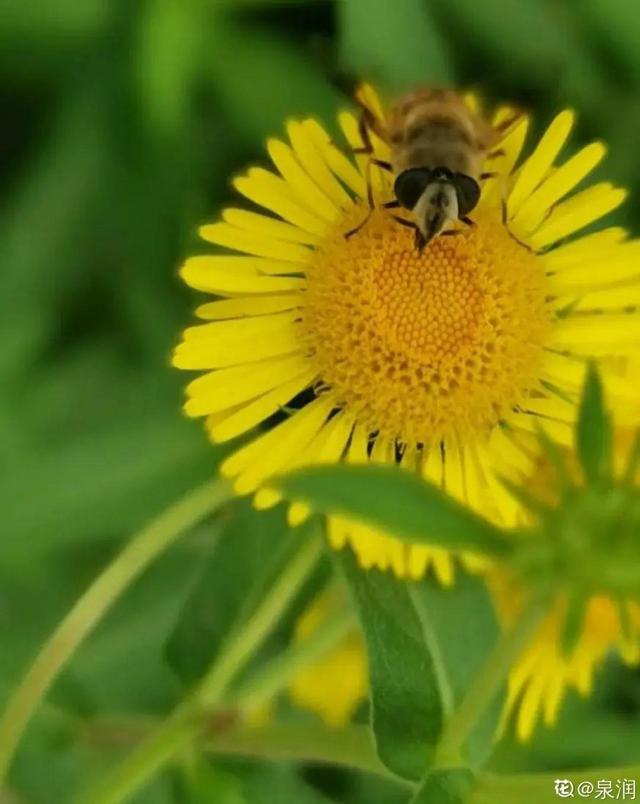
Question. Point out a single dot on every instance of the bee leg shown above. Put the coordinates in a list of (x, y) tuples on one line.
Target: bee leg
[(420, 241), (505, 222), (497, 153), (366, 121), (491, 174), (451, 232), (510, 122), (370, 202), (395, 204), (381, 163)]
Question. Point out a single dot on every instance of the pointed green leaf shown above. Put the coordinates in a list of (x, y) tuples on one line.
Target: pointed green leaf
[(398, 501), (407, 710), (593, 431), (460, 628)]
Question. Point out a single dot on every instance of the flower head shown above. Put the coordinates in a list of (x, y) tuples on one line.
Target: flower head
[(585, 548), (444, 361)]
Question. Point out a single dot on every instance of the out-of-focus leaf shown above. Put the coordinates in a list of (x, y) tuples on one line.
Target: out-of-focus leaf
[(445, 787), (461, 628), (593, 430), (397, 501), (407, 707), (100, 486), (397, 44), (40, 232), (170, 40), (523, 34), (263, 80), (250, 553), (50, 32), (618, 22)]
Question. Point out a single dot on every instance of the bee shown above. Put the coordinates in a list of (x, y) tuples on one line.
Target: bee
[(438, 146)]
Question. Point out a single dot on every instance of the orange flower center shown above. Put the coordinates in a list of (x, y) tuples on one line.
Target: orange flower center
[(423, 346)]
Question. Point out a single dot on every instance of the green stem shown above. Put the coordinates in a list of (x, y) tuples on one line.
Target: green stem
[(187, 720), (143, 548), (485, 686), (347, 747), (279, 671)]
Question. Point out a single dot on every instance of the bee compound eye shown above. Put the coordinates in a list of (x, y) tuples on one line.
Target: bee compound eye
[(467, 192), (410, 184)]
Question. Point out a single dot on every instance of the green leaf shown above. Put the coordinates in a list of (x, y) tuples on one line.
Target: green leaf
[(394, 43), (460, 628), (450, 786), (407, 710), (398, 501), (593, 430)]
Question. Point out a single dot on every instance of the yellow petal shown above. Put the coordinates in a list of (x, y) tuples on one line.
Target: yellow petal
[(563, 371), (589, 247), (508, 452), (327, 446), (564, 179), (266, 498), (303, 186), (293, 437), (240, 329), (245, 306), (312, 160), (620, 265), (271, 192), (454, 480), (271, 227), (227, 387), (368, 97), (617, 298), (336, 159), (260, 409), (530, 423), (214, 275), (494, 190), (229, 345), (578, 212), (597, 334), (530, 707), (223, 234), (536, 166)]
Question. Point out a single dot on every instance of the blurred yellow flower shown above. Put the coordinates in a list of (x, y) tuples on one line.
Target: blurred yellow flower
[(544, 673), (547, 668), (335, 685), (444, 361)]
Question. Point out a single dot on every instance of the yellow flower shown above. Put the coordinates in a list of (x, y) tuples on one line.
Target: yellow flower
[(544, 673), (367, 350), (547, 668), (335, 685)]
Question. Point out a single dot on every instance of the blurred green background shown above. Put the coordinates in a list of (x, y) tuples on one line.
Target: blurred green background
[(122, 124)]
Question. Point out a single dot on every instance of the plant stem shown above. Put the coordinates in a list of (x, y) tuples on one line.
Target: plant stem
[(486, 684), (279, 671), (188, 720), (347, 747), (87, 612)]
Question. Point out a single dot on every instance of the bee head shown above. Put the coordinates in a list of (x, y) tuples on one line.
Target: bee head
[(437, 197)]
